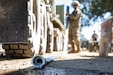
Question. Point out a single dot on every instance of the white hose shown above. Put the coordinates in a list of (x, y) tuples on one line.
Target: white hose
[(38, 61)]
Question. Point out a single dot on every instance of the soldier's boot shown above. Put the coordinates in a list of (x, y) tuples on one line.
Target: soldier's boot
[(78, 48), (73, 49)]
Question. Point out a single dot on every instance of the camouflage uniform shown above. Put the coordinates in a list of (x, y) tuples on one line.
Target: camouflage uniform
[(74, 28), (94, 36)]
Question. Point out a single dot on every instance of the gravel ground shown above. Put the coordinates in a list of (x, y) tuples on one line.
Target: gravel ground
[(70, 64), (85, 60)]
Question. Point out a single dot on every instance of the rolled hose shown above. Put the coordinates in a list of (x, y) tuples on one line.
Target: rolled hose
[(39, 61)]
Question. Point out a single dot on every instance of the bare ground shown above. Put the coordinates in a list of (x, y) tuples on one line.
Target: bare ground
[(74, 62)]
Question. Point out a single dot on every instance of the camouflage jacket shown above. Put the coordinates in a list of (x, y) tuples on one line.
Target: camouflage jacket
[(75, 18)]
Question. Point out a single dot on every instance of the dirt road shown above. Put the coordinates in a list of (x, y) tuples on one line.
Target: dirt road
[(77, 62)]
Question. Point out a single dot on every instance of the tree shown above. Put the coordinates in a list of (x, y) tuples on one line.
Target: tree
[(94, 9)]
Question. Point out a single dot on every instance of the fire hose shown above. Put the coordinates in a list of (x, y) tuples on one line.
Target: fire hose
[(39, 61)]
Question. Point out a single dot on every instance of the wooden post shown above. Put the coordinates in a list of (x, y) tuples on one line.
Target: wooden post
[(106, 37)]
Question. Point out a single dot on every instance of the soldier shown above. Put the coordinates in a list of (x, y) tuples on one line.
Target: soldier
[(94, 36), (74, 27)]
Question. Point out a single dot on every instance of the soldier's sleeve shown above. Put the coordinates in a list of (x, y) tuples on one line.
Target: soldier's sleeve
[(75, 16)]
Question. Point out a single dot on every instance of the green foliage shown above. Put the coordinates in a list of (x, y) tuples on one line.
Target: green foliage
[(96, 8)]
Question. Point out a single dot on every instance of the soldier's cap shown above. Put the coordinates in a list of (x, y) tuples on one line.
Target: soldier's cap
[(76, 3)]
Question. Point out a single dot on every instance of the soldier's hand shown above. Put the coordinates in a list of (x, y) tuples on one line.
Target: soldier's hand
[(67, 14)]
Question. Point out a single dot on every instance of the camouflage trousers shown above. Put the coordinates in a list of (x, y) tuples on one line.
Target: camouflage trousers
[(73, 39)]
